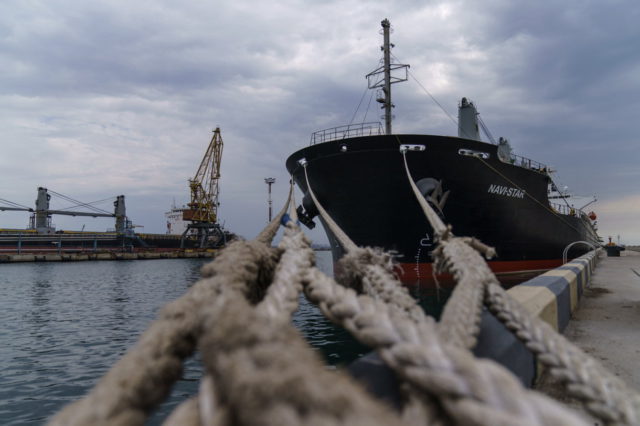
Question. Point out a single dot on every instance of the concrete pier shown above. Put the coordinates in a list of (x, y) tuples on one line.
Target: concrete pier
[(74, 257), (606, 324)]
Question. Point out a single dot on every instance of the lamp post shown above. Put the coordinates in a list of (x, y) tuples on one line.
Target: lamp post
[(270, 181)]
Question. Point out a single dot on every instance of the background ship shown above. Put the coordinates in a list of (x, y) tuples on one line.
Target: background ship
[(482, 189)]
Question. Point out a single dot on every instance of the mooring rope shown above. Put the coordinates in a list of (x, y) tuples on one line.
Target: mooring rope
[(259, 371), (367, 267), (142, 378), (462, 313), (258, 368), (603, 395), (469, 391), (344, 240), (262, 370)]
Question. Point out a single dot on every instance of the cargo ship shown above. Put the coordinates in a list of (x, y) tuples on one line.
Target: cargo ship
[(482, 189)]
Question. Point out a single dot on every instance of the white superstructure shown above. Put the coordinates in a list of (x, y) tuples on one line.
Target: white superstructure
[(175, 224), (468, 120)]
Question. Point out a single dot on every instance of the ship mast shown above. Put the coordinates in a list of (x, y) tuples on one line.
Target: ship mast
[(386, 48), (382, 77)]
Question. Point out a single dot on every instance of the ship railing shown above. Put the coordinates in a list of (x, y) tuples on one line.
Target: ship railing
[(528, 163), (160, 236), (58, 237), (568, 210), (347, 131)]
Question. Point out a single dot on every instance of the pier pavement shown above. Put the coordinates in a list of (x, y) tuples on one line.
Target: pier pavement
[(606, 324)]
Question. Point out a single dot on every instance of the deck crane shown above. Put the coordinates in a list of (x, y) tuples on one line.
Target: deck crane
[(203, 208)]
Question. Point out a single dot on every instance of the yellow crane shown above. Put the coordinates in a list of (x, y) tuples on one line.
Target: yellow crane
[(203, 208)]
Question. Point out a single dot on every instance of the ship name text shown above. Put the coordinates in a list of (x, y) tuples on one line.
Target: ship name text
[(506, 191)]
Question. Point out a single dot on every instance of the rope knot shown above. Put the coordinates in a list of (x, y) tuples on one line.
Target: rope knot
[(351, 268), (487, 251)]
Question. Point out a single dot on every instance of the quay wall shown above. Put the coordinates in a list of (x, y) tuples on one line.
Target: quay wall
[(74, 257), (552, 297)]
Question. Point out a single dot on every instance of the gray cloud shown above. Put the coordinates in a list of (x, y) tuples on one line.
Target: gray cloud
[(103, 98)]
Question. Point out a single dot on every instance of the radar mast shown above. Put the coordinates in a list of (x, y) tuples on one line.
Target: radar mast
[(382, 76)]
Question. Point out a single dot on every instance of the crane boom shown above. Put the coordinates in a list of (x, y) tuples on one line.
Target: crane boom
[(15, 209), (203, 207)]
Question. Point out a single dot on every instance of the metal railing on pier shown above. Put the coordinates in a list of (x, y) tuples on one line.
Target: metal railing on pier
[(347, 131)]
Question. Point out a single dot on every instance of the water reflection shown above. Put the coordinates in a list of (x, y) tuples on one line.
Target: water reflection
[(40, 297), (67, 323)]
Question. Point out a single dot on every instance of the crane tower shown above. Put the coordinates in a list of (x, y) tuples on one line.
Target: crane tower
[(203, 208)]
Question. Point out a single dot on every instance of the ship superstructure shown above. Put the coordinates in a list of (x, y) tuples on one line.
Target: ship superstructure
[(176, 225)]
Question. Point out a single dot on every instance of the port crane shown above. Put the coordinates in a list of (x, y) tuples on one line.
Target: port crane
[(202, 213)]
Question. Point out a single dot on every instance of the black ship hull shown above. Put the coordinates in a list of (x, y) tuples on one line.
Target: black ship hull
[(362, 184)]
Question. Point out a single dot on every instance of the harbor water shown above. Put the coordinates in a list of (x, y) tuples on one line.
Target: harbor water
[(64, 324)]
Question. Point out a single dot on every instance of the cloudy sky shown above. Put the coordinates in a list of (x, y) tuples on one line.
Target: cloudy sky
[(100, 98)]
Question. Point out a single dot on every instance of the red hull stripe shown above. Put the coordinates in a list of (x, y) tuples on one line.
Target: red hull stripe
[(422, 273)]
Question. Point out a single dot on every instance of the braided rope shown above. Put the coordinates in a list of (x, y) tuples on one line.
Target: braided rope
[(185, 414), (344, 240), (262, 384), (269, 232), (268, 375), (239, 314), (281, 300), (411, 346), (461, 318), (439, 228), (249, 379), (142, 378), (371, 271), (603, 395), (471, 391)]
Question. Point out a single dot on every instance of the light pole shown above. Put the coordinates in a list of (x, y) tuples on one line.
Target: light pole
[(269, 182)]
